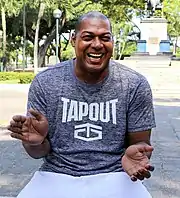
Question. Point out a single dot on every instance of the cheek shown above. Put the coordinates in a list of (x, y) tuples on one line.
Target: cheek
[(79, 51), (79, 48), (110, 51), (109, 48)]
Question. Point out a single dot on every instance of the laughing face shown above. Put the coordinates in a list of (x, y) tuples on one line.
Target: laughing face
[(93, 45)]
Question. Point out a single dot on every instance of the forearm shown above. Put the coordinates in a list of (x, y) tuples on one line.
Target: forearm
[(38, 151)]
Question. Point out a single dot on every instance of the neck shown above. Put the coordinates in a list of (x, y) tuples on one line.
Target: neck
[(90, 77)]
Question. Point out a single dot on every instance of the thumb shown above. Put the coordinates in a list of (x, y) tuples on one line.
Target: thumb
[(145, 148), (39, 116), (148, 148)]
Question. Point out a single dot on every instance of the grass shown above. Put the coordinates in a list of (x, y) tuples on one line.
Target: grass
[(10, 81), (4, 123)]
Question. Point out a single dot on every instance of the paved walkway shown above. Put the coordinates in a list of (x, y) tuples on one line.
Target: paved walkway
[(165, 81), (16, 167)]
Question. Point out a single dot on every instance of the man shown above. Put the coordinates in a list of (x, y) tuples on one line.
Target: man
[(90, 118)]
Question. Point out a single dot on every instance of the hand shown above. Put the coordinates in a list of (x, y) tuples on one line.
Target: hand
[(31, 130), (136, 163)]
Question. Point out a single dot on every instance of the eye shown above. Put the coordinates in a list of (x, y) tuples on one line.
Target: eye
[(87, 38), (106, 38)]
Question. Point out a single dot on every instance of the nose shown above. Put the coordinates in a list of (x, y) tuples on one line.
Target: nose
[(97, 44)]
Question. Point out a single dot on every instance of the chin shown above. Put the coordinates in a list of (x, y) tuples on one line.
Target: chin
[(95, 68)]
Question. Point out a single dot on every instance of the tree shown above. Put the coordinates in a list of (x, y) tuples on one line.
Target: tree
[(36, 43), (118, 11), (171, 11), (3, 15), (8, 8)]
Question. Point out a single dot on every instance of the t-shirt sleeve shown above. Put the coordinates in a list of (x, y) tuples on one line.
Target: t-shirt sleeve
[(140, 115), (36, 98)]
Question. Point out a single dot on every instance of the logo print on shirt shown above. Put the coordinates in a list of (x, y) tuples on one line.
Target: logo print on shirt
[(88, 132), (78, 111)]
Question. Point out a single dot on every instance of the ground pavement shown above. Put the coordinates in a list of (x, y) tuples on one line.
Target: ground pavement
[(16, 167)]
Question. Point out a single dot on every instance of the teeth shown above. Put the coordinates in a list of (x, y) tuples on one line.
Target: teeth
[(96, 55)]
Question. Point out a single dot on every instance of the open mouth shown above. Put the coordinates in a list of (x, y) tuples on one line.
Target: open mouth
[(96, 56)]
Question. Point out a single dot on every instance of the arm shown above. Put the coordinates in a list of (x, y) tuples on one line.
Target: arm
[(141, 138), (140, 115), (37, 101), (32, 129), (136, 157), (140, 121), (38, 151)]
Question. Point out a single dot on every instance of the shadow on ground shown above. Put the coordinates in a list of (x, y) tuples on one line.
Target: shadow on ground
[(16, 167), (165, 181)]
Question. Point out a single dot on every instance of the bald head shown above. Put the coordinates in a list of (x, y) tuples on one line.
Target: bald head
[(91, 15)]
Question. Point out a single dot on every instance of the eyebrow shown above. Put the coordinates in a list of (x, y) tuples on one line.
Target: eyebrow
[(87, 32)]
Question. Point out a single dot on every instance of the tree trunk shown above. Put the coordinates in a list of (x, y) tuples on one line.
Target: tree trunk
[(4, 29), (24, 37), (3, 16), (43, 49), (175, 46), (36, 40)]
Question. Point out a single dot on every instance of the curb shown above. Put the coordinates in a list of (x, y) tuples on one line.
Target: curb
[(7, 197), (3, 127)]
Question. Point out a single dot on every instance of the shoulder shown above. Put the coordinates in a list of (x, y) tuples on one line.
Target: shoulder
[(54, 71), (52, 77)]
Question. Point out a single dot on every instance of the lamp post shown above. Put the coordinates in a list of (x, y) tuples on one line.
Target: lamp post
[(57, 15), (24, 37)]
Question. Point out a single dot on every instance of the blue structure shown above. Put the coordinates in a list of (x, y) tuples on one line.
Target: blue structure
[(164, 46), (141, 46)]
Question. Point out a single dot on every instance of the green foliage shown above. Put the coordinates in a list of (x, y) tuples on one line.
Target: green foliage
[(23, 77), (172, 13), (26, 78), (130, 48), (119, 12), (12, 7), (68, 53), (9, 76), (123, 46), (178, 52)]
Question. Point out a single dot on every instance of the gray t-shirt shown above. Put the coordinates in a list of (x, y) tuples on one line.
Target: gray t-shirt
[(88, 123)]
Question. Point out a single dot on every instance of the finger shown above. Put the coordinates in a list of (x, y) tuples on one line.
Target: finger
[(133, 178), (14, 129), (132, 173), (39, 116), (138, 175), (145, 173), (19, 118), (143, 148), (15, 124), (17, 136), (150, 167), (148, 148)]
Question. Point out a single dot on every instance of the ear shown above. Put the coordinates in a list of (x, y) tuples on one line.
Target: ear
[(113, 39), (73, 39)]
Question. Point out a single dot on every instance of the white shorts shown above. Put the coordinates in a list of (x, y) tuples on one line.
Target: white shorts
[(106, 185)]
